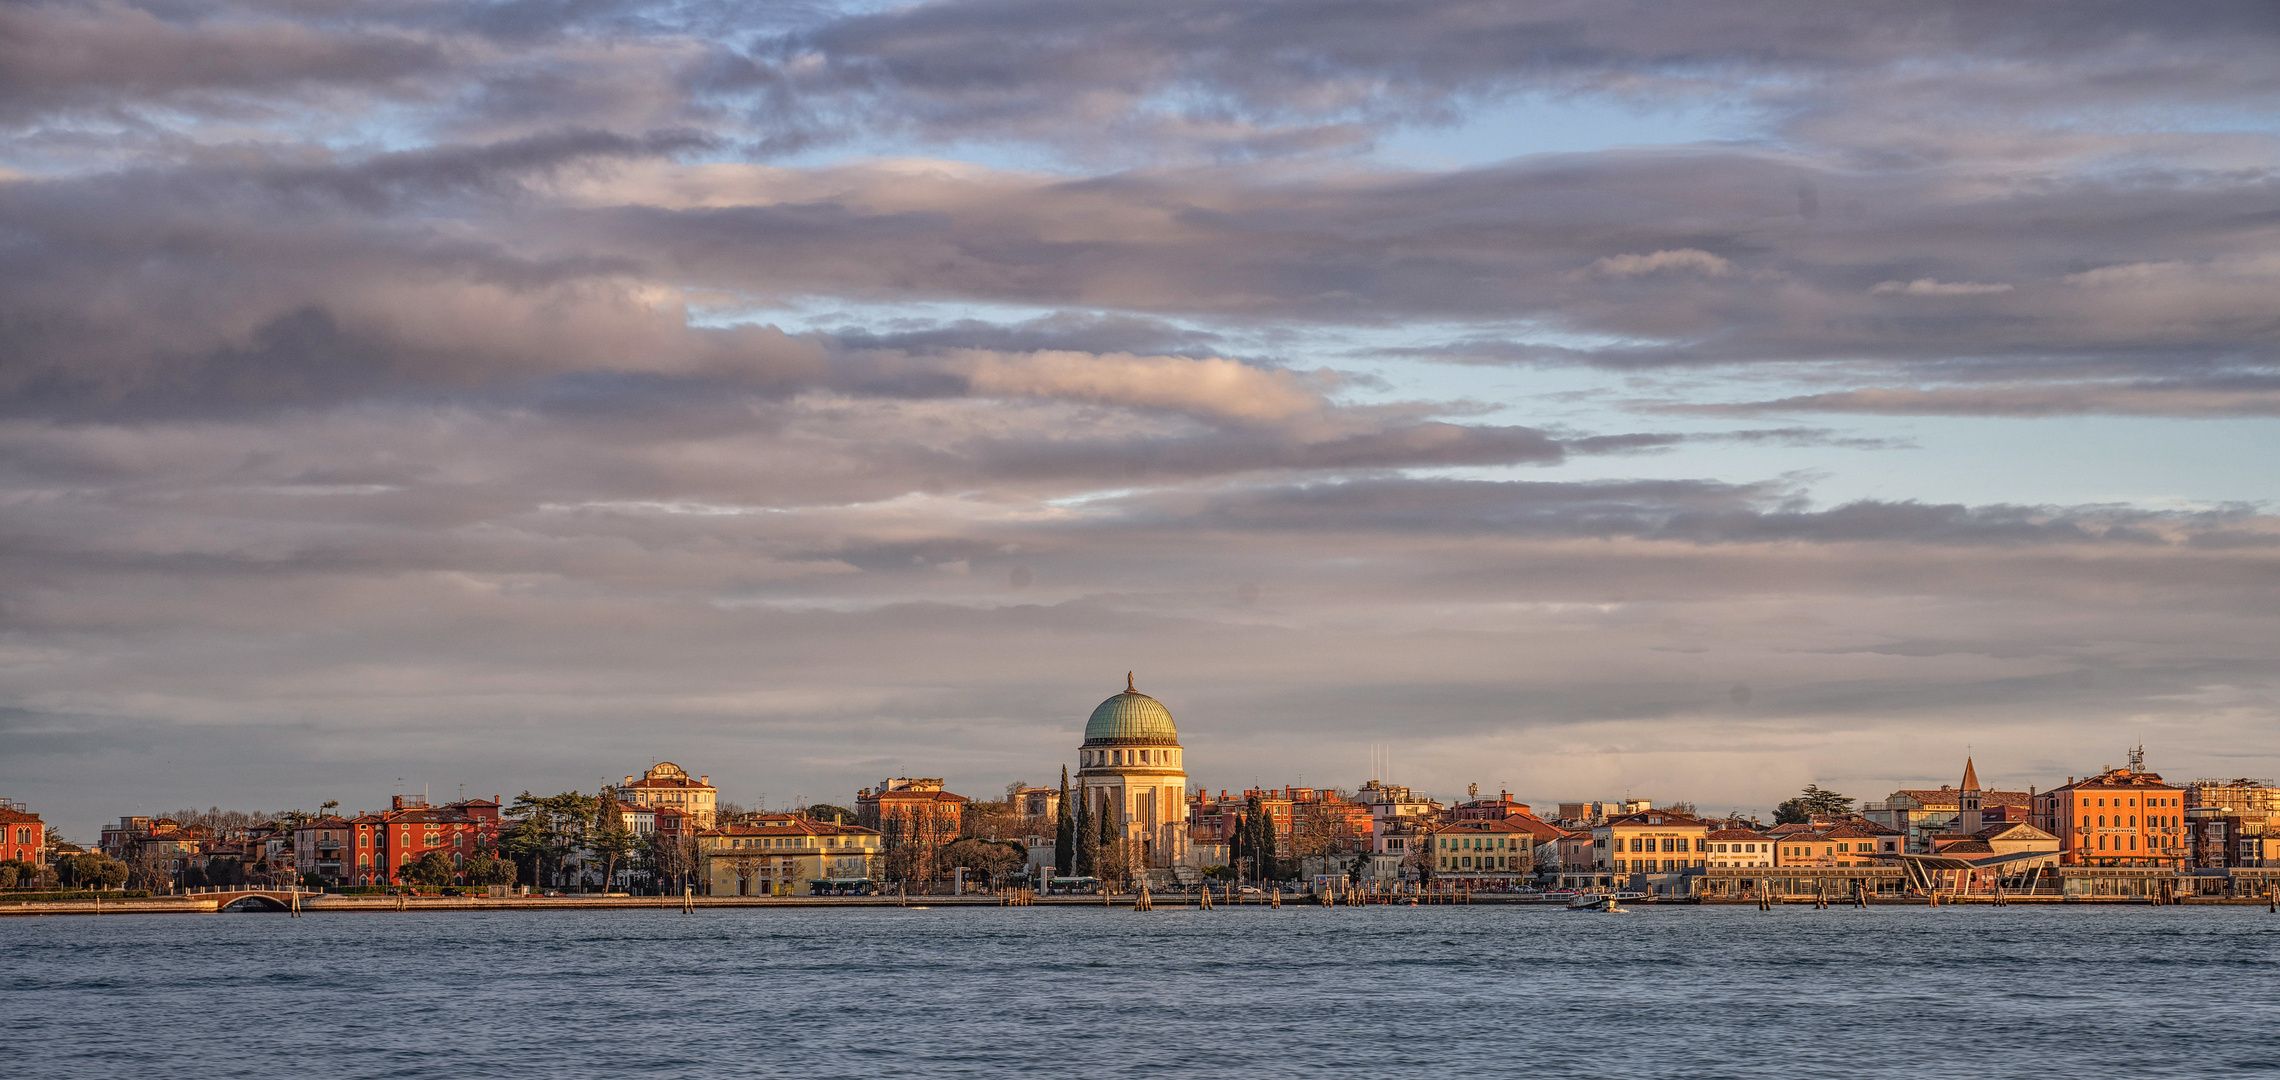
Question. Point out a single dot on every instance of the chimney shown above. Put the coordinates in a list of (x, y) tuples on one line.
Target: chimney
[(704, 780), (629, 781)]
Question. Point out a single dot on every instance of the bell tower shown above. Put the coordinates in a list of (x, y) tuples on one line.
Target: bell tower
[(1967, 801)]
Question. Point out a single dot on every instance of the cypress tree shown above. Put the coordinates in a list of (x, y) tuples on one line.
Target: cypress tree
[(1262, 842), (1239, 842), (1064, 832), (1081, 832)]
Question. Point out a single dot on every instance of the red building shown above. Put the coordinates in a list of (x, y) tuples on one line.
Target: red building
[(411, 829), (23, 836), (377, 849), (1496, 809)]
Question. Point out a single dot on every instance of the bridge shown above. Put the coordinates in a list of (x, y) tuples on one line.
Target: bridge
[(252, 898)]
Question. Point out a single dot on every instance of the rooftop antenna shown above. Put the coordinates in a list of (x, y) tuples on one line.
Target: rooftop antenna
[(2137, 759)]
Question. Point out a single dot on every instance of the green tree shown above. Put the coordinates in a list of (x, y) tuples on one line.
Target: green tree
[(1108, 830), (1239, 845), (1260, 844), (609, 840), (824, 811), (1813, 800), (93, 870), (1081, 834), (548, 831), (1064, 832), (434, 868), (488, 869)]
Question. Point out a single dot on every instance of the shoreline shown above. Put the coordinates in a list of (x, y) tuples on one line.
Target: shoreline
[(198, 905)]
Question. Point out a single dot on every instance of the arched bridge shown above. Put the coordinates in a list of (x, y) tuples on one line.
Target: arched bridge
[(251, 898)]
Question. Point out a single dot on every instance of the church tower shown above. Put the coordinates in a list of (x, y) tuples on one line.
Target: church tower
[(1131, 770), (1967, 801)]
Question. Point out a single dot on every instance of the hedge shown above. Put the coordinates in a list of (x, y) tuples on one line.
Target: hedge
[(115, 894)]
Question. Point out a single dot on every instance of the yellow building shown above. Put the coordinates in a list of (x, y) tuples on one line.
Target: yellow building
[(786, 855), (1651, 842), (669, 785)]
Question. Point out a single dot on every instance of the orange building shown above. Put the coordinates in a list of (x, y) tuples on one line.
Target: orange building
[(914, 807), (23, 836), (1833, 845), (1650, 842), (2120, 817), (1496, 809)]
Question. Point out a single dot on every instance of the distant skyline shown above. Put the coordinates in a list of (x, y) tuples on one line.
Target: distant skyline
[(1689, 400)]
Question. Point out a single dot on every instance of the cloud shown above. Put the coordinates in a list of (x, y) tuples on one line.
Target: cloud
[(1700, 262), (1210, 385), (2227, 396), (1929, 287), (464, 381)]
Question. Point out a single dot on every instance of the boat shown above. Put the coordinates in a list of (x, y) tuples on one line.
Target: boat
[(1591, 902)]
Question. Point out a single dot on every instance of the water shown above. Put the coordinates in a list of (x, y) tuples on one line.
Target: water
[(1450, 991)]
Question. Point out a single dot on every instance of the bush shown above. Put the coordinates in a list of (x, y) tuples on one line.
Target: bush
[(76, 894)]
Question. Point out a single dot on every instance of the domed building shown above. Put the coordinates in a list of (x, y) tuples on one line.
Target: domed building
[(1129, 768)]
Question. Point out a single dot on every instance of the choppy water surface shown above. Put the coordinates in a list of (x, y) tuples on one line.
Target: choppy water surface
[(1489, 991)]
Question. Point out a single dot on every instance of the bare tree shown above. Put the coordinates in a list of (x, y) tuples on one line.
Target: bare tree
[(1114, 862), (746, 867)]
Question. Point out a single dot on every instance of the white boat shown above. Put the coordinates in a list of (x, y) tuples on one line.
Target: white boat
[(1591, 902)]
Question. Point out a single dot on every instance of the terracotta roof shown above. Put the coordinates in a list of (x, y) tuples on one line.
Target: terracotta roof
[(912, 796), (1854, 821), (1668, 817), (666, 782), (1993, 832), (17, 817), (1737, 834), (427, 815), (799, 828), (1500, 825), (324, 823), (1946, 796), (1852, 832), (2118, 779), (1536, 826)]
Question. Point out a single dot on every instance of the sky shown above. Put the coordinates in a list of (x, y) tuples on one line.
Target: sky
[(1680, 400)]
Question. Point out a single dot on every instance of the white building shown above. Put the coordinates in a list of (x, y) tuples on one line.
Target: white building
[(1740, 847), (1130, 768)]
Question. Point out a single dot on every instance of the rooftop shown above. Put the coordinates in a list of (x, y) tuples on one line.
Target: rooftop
[(1131, 715)]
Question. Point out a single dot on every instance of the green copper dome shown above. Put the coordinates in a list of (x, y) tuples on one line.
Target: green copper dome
[(1131, 715)]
